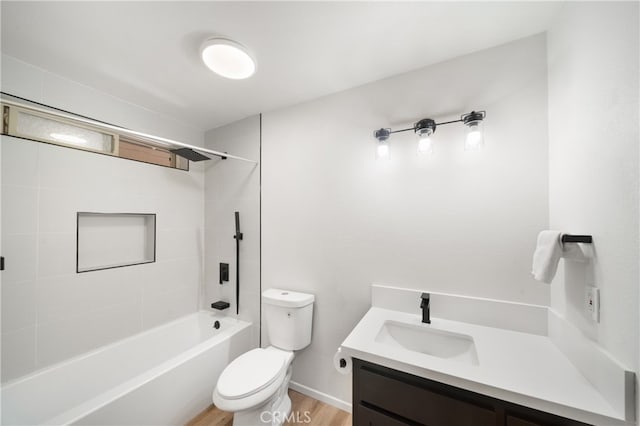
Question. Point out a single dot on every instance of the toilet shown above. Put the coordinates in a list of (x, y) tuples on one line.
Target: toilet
[(254, 386)]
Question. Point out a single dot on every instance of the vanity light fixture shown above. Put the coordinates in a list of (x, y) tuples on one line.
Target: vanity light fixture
[(227, 58), (426, 127)]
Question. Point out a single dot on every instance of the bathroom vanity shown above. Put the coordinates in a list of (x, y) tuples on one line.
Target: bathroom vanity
[(386, 397), (478, 362)]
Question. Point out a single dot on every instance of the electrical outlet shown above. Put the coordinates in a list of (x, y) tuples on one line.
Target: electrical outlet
[(592, 303)]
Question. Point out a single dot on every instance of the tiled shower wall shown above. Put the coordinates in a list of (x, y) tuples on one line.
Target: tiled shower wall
[(230, 187), (49, 312)]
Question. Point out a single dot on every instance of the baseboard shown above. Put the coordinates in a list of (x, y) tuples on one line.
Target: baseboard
[(320, 396)]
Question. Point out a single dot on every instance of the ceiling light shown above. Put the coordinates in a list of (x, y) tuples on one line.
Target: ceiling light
[(227, 58), (426, 127)]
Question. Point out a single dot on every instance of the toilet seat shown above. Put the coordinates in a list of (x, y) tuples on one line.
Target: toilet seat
[(250, 373), (238, 387)]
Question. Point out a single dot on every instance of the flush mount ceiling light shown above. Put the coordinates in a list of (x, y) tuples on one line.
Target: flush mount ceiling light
[(426, 127), (227, 58)]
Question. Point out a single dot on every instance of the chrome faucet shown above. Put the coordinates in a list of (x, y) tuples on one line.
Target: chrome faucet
[(424, 305)]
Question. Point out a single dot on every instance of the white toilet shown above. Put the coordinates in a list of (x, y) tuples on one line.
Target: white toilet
[(254, 386)]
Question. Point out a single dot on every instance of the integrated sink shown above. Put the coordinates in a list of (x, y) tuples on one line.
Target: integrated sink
[(429, 341)]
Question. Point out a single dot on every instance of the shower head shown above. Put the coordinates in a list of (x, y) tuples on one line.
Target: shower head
[(190, 154)]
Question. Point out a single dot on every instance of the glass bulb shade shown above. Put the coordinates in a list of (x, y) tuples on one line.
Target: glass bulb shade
[(228, 59), (424, 132), (425, 146), (474, 138), (382, 150)]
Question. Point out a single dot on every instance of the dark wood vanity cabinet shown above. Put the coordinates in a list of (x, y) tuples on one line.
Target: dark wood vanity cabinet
[(386, 397)]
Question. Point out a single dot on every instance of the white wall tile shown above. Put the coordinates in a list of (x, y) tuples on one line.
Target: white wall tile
[(18, 353), (20, 206), (178, 243), (44, 188), (59, 340), (19, 253), (231, 187), (18, 305), (56, 254), (57, 210), (67, 296), (74, 169), (61, 297), (171, 275), (23, 168), (164, 307)]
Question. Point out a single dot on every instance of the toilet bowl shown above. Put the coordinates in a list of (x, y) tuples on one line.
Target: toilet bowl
[(254, 385)]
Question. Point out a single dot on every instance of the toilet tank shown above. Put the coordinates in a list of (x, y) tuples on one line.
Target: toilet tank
[(288, 316)]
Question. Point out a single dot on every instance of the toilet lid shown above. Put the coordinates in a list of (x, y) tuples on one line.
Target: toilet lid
[(249, 373)]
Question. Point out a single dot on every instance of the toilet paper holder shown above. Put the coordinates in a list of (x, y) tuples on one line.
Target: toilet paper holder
[(567, 238)]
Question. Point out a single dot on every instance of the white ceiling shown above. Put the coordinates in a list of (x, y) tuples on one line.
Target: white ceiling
[(148, 52)]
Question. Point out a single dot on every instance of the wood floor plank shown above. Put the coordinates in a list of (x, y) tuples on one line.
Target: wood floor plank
[(305, 411)]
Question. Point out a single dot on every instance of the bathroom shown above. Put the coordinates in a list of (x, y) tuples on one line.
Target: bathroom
[(318, 212)]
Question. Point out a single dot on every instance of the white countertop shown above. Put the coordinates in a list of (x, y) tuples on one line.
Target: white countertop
[(521, 368)]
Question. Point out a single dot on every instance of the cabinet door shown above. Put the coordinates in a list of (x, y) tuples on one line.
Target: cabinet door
[(517, 421), (370, 417), (528, 417), (420, 404)]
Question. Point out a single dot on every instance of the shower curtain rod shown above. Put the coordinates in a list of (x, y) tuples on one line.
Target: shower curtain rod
[(168, 143)]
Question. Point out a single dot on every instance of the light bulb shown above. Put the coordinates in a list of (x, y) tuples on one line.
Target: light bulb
[(424, 129), (382, 151), (425, 146), (382, 147), (474, 139)]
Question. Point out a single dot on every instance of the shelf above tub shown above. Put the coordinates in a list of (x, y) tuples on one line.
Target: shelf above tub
[(114, 240)]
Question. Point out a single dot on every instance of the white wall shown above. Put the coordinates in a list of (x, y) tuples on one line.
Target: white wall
[(335, 219), (232, 186), (50, 313), (593, 156)]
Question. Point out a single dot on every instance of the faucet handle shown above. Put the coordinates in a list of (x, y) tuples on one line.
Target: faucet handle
[(425, 300)]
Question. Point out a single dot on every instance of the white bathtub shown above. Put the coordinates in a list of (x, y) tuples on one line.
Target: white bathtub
[(162, 376)]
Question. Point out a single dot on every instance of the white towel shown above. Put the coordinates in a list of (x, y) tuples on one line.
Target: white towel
[(547, 255)]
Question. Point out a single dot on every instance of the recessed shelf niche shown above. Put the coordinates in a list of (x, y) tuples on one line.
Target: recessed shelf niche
[(114, 240)]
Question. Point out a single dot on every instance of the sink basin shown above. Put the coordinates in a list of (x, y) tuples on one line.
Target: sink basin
[(429, 341)]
